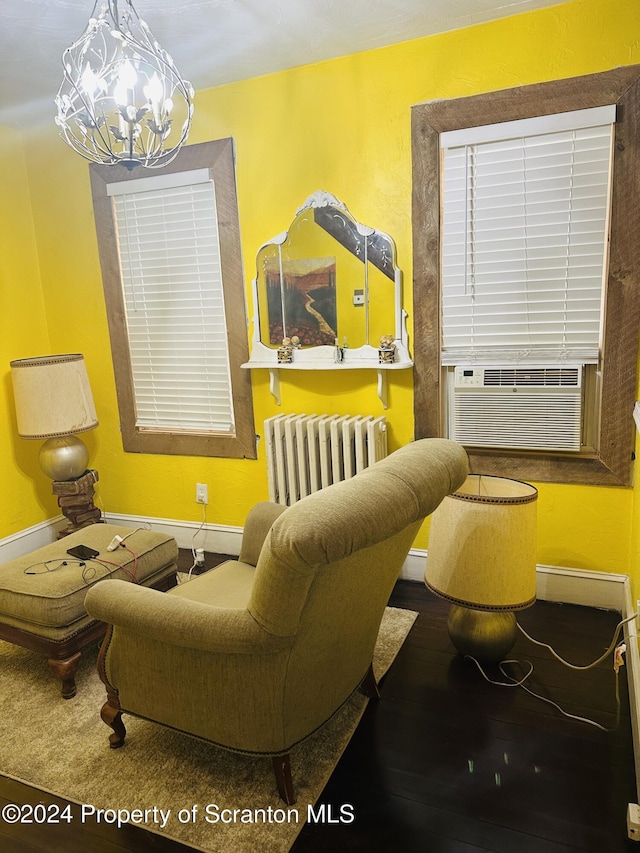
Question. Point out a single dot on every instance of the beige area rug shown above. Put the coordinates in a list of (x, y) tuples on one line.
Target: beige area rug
[(61, 747)]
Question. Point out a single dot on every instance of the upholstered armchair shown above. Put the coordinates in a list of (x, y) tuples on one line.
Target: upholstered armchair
[(258, 653)]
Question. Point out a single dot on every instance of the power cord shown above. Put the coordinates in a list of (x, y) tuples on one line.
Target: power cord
[(131, 573), (521, 683), (618, 661), (88, 572), (618, 628), (197, 562), (97, 494), (118, 540)]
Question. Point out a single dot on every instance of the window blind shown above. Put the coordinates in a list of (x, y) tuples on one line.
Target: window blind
[(174, 303), (525, 236)]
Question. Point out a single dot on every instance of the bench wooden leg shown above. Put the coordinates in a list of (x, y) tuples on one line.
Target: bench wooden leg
[(66, 670)]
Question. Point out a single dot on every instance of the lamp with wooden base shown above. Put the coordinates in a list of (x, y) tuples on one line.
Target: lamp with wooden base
[(53, 401)]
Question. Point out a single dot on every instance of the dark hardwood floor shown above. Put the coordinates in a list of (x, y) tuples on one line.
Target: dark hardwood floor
[(445, 762), (448, 763)]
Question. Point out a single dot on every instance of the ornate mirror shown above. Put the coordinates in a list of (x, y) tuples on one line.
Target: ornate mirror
[(328, 295)]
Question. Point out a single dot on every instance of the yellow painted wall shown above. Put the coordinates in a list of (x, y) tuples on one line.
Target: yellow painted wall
[(341, 126), (25, 497)]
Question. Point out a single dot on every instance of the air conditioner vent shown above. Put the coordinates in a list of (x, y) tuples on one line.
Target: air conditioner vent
[(527, 377), (525, 408)]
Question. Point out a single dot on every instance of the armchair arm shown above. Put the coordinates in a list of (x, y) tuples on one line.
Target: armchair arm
[(256, 528), (178, 621)]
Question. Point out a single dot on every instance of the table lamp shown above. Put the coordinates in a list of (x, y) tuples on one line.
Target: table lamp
[(482, 558), (53, 401)]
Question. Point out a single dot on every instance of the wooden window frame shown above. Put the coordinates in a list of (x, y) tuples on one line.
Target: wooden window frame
[(611, 464), (218, 156)]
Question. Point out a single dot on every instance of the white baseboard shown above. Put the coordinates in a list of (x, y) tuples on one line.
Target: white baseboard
[(553, 583), (577, 586), (216, 538), (29, 539)]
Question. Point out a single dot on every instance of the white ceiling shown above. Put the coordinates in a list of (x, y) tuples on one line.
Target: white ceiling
[(220, 41)]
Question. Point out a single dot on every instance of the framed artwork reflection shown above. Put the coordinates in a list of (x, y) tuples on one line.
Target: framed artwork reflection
[(304, 304)]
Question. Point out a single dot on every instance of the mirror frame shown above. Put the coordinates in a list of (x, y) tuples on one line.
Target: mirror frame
[(380, 250)]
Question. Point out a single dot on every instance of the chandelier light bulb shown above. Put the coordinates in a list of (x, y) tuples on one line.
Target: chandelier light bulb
[(89, 81), (154, 90), (122, 100), (127, 77)]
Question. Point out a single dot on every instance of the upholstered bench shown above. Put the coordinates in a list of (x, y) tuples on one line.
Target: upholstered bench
[(42, 593)]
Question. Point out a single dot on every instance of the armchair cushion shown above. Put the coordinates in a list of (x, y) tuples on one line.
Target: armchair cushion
[(228, 585)]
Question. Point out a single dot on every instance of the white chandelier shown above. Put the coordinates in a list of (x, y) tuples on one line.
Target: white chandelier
[(122, 100)]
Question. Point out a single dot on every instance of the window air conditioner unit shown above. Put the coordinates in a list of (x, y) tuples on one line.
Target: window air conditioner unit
[(523, 408)]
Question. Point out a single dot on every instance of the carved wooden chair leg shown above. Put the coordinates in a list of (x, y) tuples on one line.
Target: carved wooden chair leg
[(111, 712), (66, 670), (112, 716), (369, 686), (282, 769)]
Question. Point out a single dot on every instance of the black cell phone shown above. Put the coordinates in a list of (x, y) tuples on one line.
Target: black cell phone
[(83, 552)]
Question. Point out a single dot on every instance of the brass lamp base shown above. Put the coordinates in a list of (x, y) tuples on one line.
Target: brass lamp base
[(64, 457), (487, 635)]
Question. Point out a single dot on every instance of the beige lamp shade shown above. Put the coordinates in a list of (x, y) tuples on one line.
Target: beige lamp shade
[(482, 545), (52, 396)]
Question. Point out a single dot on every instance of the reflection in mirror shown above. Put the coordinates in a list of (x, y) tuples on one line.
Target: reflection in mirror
[(327, 291), (301, 300)]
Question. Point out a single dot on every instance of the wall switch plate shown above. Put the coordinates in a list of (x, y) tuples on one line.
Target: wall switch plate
[(202, 493)]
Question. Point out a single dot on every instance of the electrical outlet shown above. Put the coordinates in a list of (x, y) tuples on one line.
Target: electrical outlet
[(633, 821), (202, 493)]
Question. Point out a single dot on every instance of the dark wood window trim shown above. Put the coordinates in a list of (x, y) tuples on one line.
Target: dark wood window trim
[(611, 464), (218, 156)]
